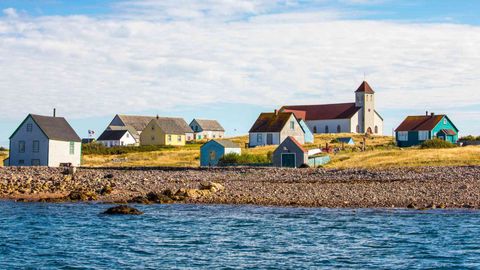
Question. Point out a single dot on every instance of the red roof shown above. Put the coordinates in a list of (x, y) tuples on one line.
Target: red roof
[(297, 144), (421, 122), (449, 132), (365, 87), (271, 122), (323, 112)]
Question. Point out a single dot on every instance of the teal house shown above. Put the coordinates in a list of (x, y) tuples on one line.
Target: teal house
[(308, 133), (416, 129), (212, 151)]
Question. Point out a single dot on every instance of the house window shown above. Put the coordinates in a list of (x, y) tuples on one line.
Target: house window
[(444, 121), (292, 125), (423, 135), (315, 129), (36, 147), (326, 129), (169, 138), (21, 146), (179, 138), (153, 127), (128, 135), (213, 155), (153, 138), (259, 138), (213, 136), (339, 129), (199, 137), (196, 128), (72, 148), (402, 136), (29, 127), (35, 162), (358, 129), (376, 129)]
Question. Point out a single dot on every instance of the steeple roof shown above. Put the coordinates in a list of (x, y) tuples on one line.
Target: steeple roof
[(365, 87)]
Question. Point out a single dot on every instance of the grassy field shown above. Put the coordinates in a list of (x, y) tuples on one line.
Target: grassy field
[(380, 153), (3, 155)]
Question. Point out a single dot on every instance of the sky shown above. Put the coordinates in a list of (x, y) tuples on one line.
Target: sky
[(232, 59)]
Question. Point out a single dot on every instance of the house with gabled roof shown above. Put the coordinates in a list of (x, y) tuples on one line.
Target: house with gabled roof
[(44, 141), (121, 137), (290, 153), (134, 123), (354, 117), (212, 151), (207, 129), (273, 128), (165, 131), (416, 129)]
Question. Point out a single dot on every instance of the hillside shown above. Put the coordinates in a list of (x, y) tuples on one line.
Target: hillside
[(380, 153)]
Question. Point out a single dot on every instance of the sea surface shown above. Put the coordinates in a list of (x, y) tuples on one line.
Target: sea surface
[(77, 236)]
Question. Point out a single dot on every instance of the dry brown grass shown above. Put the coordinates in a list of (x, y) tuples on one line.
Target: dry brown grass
[(380, 153), (3, 155)]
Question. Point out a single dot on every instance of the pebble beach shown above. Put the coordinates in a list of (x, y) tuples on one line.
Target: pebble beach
[(419, 187)]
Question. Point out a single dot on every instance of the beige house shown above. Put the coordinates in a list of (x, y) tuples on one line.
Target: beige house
[(354, 117), (274, 128), (165, 131), (207, 129)]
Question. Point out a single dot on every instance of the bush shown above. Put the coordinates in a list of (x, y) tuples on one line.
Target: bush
[(470, 138), (234, 158), (100, 149), (3, 148), (436, 143)]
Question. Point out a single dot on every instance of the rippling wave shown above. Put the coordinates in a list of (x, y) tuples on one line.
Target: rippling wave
[(76, 236)]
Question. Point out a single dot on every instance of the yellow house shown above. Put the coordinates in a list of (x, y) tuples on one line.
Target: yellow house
[(165, 131)]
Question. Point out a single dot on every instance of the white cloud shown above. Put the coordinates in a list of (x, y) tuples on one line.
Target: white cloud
[(93, 66), (10, 12)]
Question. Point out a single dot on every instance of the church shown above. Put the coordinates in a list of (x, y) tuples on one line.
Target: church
[(355, 117)]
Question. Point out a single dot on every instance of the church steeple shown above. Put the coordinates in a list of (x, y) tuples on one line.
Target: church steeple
[(365, 87), (365, 99)]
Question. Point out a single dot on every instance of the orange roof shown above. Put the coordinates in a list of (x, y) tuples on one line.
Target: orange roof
[(420, 122), (297, 143), (365, 87)]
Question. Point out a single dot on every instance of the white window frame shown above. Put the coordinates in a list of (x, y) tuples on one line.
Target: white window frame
[(402, 136), (259, 138), (72, 148)]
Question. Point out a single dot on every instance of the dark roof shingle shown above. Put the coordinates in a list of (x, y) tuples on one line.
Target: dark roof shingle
[(56, 128), (323, 112), (365, 87), (419, 122), (211, 125), (172, 125), (271, 122), (112, 135)]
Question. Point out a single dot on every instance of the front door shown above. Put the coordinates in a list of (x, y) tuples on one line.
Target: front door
[(288, 160), (269, 139)]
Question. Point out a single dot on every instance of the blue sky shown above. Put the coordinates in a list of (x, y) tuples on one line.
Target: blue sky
[(231, 60)]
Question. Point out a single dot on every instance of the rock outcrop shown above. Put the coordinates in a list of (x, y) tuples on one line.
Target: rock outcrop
[(123, 210)]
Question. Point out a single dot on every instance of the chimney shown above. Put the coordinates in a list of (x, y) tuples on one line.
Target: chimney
[(426, 113), (432, 114), (54, 112)]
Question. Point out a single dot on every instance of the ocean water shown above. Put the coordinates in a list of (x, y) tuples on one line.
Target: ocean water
[(76, 236)]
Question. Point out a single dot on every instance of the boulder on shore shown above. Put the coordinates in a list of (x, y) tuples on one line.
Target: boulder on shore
[(123, 210)]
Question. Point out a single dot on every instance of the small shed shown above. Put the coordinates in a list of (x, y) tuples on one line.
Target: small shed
[(212, 151), (290, 153), (346, 140)]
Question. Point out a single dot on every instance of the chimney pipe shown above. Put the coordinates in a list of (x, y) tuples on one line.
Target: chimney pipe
[(426, 113), (432, 114), (54, 112)]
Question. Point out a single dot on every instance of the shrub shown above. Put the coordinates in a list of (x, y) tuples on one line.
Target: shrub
[(234, 158), (436, 143), (3, 148), (335, 141), (468, 138)]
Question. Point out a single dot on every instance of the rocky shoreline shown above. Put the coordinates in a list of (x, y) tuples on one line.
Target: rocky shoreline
[(419, 187)]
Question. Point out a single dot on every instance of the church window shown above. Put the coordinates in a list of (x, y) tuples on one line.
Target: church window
[(358, 129), (376, 129), (339, 129), (326, 129), (315, 129)]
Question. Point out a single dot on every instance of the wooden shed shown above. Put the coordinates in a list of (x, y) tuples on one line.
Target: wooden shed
[(212, 151), (290, 153)]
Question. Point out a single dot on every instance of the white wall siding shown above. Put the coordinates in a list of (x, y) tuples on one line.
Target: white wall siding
[(345, 125), (28, 155), (254, 142), (233, 150), (59, 152), (379, 124)]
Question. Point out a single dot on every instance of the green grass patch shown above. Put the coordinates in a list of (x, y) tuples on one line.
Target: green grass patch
[(100, 149), (234, 158), (436, 143)]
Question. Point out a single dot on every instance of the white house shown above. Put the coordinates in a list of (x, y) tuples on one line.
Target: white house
[(356, 117), (207, 129), (274, 128), (44, 141), (111, 138)]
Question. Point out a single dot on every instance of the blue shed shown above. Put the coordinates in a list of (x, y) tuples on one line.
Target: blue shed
[(416, 129), (212, 151), (308, 133), (346, 140)]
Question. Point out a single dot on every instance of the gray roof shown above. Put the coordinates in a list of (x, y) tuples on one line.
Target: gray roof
[(112, 135), (211, 125), (227, 143), (55, 128), (137, 122), (171, 125)]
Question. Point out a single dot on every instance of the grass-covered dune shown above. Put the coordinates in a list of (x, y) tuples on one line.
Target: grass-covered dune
[(380, 152)]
